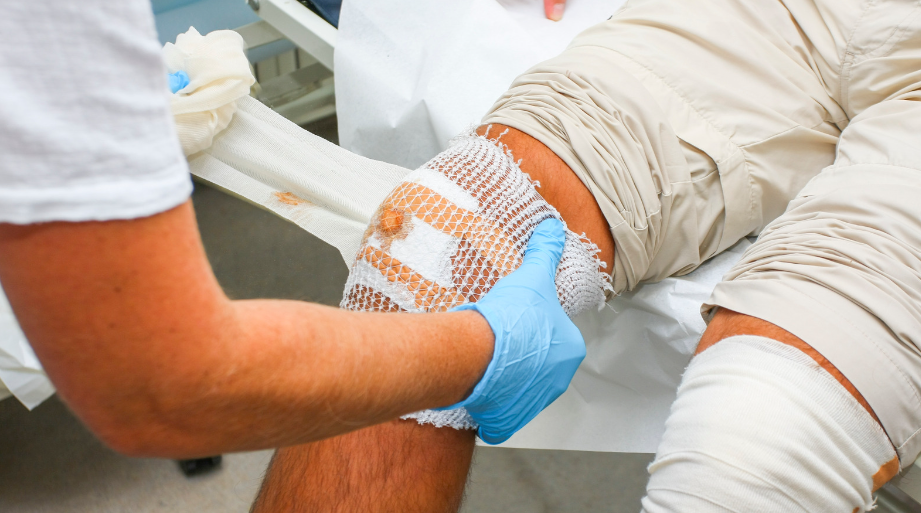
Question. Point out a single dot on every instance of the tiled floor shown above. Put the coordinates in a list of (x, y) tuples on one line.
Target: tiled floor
[(50, 464)]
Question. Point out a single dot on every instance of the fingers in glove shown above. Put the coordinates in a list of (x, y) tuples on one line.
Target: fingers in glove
[(545, 247)]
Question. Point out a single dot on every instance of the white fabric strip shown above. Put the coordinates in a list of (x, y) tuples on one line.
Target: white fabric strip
[(301, 177)]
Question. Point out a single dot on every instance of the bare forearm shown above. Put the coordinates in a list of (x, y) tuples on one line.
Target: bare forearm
[(137, 336), (298, 372), (279, 373)]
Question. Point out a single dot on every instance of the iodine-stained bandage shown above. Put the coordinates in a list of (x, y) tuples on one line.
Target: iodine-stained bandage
[(450, 231)]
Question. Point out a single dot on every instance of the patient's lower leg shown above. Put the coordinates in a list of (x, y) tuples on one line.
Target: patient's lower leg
[(400, 466), (404, 466), (763, 422)]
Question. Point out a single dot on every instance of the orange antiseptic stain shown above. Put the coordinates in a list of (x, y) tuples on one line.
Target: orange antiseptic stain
[(885, 473), (288, 198), (443, 215), (428, 295), (391, 221)]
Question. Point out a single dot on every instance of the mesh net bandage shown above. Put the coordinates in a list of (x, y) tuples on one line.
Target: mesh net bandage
[(450, 231)]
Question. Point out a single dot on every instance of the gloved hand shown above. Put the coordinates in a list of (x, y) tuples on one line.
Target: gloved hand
[(537, 347), (177, 81)]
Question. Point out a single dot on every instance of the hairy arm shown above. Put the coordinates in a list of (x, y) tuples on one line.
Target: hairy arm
[(139, 339)]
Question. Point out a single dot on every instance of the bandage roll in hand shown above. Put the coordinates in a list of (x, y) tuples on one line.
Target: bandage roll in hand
[(207, 75), (537, 347)]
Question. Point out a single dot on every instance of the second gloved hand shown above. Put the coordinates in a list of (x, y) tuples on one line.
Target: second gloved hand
[(537, 347)]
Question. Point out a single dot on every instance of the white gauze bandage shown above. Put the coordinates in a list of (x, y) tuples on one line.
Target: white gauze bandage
[(450, 231), (759, 426)]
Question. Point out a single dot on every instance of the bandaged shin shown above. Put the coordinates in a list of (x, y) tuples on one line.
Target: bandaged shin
[(759, 426), (450, 231)]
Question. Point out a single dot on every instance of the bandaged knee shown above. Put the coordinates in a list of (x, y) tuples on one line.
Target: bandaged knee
[(450, 231), (759, 426)]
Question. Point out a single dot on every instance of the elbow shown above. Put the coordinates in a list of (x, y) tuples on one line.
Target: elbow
[(160, 409), (131, 438), (153, 441), (145, 427), (128, 441)]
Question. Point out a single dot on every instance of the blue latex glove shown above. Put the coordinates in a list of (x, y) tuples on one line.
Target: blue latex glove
[(177, 81), (537, 347)]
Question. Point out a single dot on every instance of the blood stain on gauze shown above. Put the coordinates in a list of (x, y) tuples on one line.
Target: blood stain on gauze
[(450, 231)]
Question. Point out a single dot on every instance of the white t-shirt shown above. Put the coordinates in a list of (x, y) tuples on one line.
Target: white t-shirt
[(85, 127)]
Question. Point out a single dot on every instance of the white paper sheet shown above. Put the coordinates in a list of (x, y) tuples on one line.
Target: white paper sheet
[(21, 374), (638, 347), (409, 76)]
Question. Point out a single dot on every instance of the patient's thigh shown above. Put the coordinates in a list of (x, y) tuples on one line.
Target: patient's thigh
[(559, 186)]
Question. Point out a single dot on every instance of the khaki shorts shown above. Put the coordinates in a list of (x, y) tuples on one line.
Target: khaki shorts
[(698, 122)]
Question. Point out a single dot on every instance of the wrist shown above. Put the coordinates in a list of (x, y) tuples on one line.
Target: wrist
[(478, 339)]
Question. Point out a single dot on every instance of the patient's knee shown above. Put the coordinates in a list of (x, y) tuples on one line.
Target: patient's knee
[(451, 230)]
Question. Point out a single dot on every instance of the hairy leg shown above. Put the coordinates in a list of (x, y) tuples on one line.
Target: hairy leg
[(396, 467), (402, 465)]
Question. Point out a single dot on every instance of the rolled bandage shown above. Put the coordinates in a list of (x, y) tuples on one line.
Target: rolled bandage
[(218, 75), (450, 231), (759, 426)]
